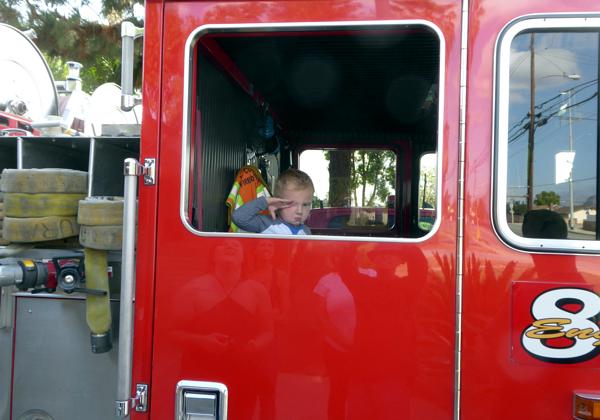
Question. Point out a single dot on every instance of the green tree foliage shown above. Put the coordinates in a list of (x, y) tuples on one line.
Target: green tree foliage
[(427, 187), (547, 198), (64, 35), (375, 171), (364, 178)]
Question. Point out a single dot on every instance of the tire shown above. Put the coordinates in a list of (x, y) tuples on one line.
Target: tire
[(39, 229), (107, 238), (44, 181), (41, 204), (100, 211)]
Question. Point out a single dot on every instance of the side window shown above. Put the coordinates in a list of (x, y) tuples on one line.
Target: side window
[(355, 190), (547, 135), (354, 105)]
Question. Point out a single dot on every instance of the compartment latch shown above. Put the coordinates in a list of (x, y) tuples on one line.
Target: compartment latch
[(148, 169), (139, 402)]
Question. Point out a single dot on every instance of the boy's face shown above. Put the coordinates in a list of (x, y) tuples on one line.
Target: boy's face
[(299, 210)]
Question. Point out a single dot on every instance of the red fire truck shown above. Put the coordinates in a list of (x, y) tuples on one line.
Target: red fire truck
[(490, 312)]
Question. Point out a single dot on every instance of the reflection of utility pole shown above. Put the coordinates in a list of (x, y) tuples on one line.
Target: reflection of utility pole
[(571, 206), (530, 147), (568, 93)]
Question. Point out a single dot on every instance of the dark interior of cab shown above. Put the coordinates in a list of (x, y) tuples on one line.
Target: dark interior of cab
[(267, 94)]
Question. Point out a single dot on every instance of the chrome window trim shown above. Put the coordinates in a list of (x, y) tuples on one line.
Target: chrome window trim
[(572, 21), (187, 132)]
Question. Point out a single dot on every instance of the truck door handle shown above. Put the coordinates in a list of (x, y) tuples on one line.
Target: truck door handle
[(197, 400)]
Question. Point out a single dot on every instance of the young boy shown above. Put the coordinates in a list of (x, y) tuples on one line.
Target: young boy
[(289, 208)]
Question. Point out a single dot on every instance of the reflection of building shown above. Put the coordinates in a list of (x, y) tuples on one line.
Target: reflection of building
[(581, 215)]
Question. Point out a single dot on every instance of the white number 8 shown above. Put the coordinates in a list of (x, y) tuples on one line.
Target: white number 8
[(552, 322)]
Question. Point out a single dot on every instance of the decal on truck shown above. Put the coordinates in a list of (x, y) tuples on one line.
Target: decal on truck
[(564, 326)]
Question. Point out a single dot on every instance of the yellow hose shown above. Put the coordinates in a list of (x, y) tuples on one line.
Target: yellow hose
[(98, 307)]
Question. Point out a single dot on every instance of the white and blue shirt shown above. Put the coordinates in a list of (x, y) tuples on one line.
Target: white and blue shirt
[(247, 217)]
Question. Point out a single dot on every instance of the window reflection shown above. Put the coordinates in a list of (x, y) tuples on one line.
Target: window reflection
[(553, 133)]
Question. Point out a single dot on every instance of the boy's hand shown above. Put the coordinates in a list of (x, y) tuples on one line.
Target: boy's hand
[(276, 204)]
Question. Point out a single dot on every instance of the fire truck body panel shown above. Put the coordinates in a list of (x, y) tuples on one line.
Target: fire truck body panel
[(470, 303), (282, 364), (501, 284), (499, 281)]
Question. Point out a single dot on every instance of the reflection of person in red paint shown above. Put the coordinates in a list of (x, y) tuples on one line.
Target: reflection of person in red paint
[(337, 313), (232, 333), (386, 289), (275, 281)]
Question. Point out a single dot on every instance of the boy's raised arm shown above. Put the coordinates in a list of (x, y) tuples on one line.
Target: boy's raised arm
[(247, 217)]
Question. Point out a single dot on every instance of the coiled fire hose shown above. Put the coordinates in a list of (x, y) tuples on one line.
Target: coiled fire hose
[(41, 204), (101, 231)]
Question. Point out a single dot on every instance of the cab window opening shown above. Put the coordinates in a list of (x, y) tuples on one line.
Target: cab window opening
[(364, 98)]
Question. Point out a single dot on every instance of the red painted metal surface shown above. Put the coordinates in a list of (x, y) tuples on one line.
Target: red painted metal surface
[(148, 202), (253, 313), (498, 380), (16, 125)]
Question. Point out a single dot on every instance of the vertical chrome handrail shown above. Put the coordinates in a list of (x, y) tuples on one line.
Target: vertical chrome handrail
[(129, 32), (132, 169)]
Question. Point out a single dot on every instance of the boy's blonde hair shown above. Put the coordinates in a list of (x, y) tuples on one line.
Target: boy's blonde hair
[(294, 179)]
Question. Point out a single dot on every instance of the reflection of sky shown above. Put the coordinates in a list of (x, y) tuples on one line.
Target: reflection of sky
[(557, 55)]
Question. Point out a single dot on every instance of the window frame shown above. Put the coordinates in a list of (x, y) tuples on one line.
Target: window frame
[(188, 130), (571, 22)]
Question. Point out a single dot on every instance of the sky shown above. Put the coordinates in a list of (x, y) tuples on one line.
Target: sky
[(566, 73)]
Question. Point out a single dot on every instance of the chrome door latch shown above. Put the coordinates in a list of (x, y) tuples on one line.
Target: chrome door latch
[(133, 168), (149, 171), (139, 403)]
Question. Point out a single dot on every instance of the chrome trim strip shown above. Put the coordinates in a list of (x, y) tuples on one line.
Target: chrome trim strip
[(187, 132), (464, 40), (500, 130)]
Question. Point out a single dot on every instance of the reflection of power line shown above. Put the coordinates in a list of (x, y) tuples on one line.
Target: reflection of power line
[(554, 105), (591, 178), (558, 98)]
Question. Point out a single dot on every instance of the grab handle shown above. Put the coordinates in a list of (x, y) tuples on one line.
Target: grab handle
[(129, 32), (132, 169)]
